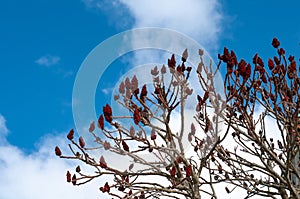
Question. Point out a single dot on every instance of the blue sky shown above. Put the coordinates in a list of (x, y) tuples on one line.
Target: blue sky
[(43, 43), (36, 96)]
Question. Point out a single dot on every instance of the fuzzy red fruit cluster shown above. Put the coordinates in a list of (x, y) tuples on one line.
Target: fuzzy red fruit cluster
[(101, 122), (57, 151), (105, 188), (81, 142), (103, 163), (70, 135), (136, 116), (125, 146), (107, 111), (172, 62)]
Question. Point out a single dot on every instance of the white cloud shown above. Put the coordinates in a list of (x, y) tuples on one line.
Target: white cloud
[(3, 128), (115, 9), (200, 19), (47, 60), (50, 60), (87, 2), (42, 175), (68, 74), (107, 91), (64, 73), (39, 174)]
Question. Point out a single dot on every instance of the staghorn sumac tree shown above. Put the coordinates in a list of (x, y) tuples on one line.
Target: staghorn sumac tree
[(226, 134), (158, 165), (262, 109)]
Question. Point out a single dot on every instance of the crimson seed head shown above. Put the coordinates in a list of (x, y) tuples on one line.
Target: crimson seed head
[(106, 145), (193, 129), (101, 122), (81, 142), (163, 69), (106, 187), (293, 65), (122, 88), (144, 91), (153, 134), (270, 64), (103, 163), (107, 111), (136, 116), (172, 62), (291, 58), (242, 66), (173, 171), (184, 55), (74, 179), (68, 175), (134, 83), (275, 42), (226, 56), (154, 71), (125, 146), (70, 135), (277, 61), (78, 169), (179, 159), (260, 62), (281, 51), (254, 59), (201, 52), (57, 151), (233, 58), (188, 171), (127, 83), (92, 127)]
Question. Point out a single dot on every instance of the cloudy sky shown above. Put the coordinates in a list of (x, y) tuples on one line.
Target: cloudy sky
[(44, 42)]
